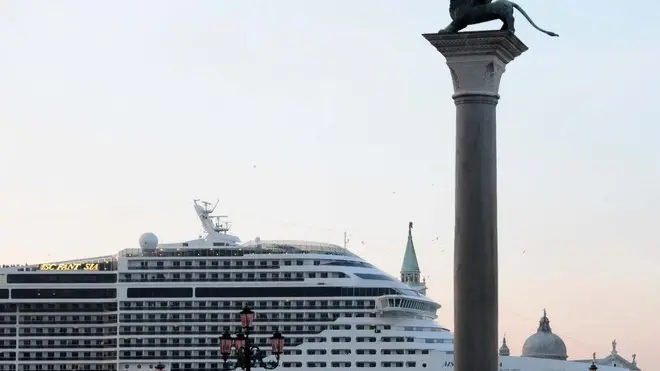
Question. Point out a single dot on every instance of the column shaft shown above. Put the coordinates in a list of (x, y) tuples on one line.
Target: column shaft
[(475, 235)]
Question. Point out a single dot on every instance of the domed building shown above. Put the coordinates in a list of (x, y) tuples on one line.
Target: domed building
[(545, 344)]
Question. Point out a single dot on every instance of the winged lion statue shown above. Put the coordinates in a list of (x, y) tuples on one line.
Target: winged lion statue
[(468, 12)]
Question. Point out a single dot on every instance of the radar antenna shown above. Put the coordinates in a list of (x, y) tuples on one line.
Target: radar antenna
[(207, 206)]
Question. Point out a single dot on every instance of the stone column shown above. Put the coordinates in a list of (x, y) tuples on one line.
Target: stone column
[(476, 62)]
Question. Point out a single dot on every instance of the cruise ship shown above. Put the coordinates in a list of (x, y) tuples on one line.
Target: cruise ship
[(164, 307)]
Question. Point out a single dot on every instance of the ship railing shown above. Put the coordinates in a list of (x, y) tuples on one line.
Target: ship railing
[(269, 247), (280, 279)]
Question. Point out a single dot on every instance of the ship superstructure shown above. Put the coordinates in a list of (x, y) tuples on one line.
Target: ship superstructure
[(168, 304)]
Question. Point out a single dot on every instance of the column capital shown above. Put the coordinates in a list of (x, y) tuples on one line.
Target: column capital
[(478, 59)]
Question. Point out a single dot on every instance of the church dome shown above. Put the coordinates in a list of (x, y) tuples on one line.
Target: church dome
[(545, 344)]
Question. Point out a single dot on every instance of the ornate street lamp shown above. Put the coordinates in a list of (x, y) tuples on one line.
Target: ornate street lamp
[(247, 317), (248, 356)]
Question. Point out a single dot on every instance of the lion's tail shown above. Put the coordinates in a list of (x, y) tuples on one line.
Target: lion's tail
[(522, 11)]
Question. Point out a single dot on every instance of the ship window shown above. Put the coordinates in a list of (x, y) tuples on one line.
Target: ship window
[(47, 294), (316, 364), (61, 278), (348, 263), (159, 292), (368, 276), (324, 291)]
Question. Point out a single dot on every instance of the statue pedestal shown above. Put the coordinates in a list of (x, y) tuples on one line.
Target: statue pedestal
[(476, 61)]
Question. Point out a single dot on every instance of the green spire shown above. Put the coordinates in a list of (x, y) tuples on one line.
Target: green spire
[(410, 264)]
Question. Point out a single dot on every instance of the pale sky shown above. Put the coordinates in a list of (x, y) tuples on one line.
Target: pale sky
[(311, 118)]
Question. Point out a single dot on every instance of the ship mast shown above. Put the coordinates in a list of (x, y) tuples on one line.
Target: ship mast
[(212, 224)]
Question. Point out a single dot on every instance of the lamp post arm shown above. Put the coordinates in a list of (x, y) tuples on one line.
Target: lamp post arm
[(230, 366), (271, 365), (258, 356)]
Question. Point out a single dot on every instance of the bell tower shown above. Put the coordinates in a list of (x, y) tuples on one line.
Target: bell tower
[(410, 272)]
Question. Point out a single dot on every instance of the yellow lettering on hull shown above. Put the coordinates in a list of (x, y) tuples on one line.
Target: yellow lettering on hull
[(70, 267)]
